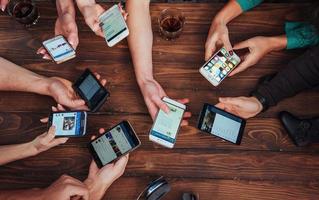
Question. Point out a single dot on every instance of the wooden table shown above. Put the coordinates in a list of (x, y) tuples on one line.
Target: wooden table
[(265, 166)]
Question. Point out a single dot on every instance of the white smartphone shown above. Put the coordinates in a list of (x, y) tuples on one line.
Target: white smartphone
[(166, 126), (113, 25), (59, 49), (217, 68)]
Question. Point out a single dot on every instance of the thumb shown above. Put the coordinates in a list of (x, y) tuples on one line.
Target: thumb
[(73, 39), (161, 105), (48, 136), (227, 43), (230, 101), (248, 61)]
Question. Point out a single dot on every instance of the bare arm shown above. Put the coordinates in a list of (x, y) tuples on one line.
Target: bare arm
[(14, 152), (34, 194)]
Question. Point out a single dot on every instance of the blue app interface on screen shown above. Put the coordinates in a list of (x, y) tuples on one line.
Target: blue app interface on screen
[(67, 123), (225, 126)]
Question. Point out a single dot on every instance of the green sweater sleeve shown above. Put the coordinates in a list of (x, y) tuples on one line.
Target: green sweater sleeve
[(248, 4), (300, 34)]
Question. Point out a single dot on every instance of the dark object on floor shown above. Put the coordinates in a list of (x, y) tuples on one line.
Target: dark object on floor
[(155, 190), (189, 196), (302, 131)]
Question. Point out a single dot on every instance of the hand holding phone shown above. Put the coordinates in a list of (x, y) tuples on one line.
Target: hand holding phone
[(89, 88), (59, 49), (222, 124), (114, 144), (166, 125), (113, 25), (68, 124), (217, 68)]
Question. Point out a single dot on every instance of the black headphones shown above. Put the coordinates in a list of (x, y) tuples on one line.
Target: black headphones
[(155, 190)]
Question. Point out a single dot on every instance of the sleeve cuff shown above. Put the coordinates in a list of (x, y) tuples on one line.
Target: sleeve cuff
[(248, 4), (300, 34)]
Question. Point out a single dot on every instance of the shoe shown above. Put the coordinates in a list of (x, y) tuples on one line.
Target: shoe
[(301, 131)]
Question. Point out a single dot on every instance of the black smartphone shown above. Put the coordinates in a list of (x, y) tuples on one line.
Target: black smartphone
[(222, 124), (68, 124), (91, 90), (114, 143)]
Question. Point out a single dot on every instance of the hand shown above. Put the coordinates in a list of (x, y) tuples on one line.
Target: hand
[(153, 94), (65, 25), (91, 14), (217, 37), (66, 188), (258, 47), (245, 107), (46, 141), (3, 4), (99, 180), (61, 90)]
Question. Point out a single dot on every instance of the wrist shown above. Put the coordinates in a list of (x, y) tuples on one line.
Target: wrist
[(230, 11), (142, 79), (65, 6), (278, 42), (84, 3), (96, 188), (260, 101), (31, 148)]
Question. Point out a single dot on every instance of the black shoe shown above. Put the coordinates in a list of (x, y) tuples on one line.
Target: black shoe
[(302, 131)]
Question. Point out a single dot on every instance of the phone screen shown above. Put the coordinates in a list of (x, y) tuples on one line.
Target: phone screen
[(221, 64), (221, 124), (59, 48), (112, 23), (166, 125), (89, 87), (114, 143), (67, 123)]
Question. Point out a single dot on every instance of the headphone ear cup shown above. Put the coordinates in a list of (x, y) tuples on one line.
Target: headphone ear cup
[(159, 192)]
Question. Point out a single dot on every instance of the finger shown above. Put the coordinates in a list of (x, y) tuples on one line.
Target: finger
[(243, 66), (73, 39), (58, 141), (46, 57), (241, 45), (4, 4), (44, 120), (230, 101), (76, 190), (41, 50), (75, 103), (210, 48), (93, 137), (60, 107), (101, 130), (227, 43), (184, 123), (48, 136), (187, 115), (160, 104), (98, 76), (121, 163), (152, 108), (54, 109), (103, 82), (220, 106), (99, 32), (183, 101)]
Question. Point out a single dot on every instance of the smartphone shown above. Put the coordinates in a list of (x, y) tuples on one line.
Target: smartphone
[(217, 68), (59, 49), (68, 124), (91, 90), (166, 126), (113, 144), (113, 25), (222, 124)]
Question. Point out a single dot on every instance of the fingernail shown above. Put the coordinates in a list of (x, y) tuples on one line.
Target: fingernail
[(3, 8), (46, 57), (231, 52)]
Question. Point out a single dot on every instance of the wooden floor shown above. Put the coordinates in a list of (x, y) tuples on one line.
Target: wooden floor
[(265, 166)]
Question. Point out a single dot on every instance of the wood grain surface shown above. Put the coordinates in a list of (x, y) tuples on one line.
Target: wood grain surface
[(265, 166)]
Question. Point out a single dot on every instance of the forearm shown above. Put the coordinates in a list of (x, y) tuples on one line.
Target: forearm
[(34, 194), (278, 42), (65, 6), (230, 11), (82, 3), (302, 73), (10, 153), (16, 78), (140, 39)]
